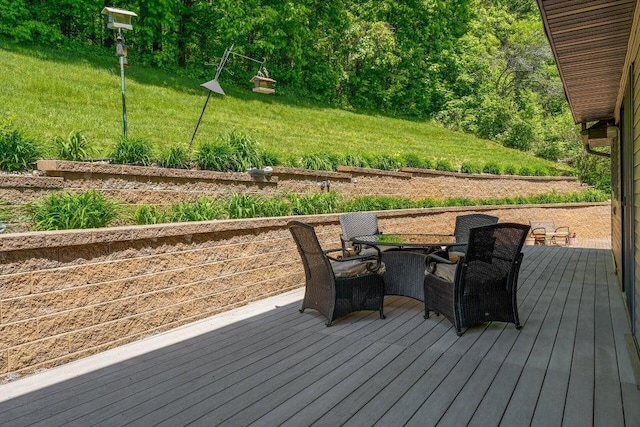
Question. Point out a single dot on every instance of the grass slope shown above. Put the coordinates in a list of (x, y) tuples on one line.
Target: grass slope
[(52, 92)]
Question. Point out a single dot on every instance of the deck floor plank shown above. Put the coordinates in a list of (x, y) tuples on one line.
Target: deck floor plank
[(569, 365)]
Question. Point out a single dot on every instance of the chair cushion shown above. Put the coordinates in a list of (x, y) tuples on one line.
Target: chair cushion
[(445, 271), (355, 268), (455, 255)]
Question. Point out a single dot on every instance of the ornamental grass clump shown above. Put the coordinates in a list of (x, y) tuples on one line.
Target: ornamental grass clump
[(318, 162), (467, 167), (175, 156), (74, 147), (17, 151), (134, 151), (244, 206), (492, 168), (232, 152), (445, 166), (69, 211), (150, 214), (203, 209)]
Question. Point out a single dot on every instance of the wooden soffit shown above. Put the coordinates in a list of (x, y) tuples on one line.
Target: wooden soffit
[(589, 41)]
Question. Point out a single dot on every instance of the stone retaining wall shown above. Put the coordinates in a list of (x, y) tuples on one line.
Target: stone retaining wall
[(163, 186), (68, 294)]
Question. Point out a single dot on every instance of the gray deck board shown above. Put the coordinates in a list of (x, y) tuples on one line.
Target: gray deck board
[(568, 366)]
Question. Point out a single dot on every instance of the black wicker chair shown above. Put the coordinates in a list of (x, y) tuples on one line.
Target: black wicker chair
[(464, 224), (355, 224), (485, 279), (326, 291)]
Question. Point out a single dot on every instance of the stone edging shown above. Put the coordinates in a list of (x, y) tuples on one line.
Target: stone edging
[(61, 166), (368, 171), (432, 173)]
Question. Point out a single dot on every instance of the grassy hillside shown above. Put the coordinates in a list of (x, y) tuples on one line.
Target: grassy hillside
[(51, 93)]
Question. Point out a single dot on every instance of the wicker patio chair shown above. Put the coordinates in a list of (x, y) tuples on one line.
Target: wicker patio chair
[(336, 287), (464, 224), (355, 224), (484, 282)]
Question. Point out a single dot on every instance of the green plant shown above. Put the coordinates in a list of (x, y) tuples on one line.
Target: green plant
[(276, 206), (214, 156), (355, 160), (75, 147), (525, 171), (317, 161), (540, 171), (414, 161), (270, 158), (510, 170), (492, 168), (245, 150), (67, 211), (467, 167), (17, 152), (386, 162), (149, 214), (244, 206), (445, 166), (175, 156), (135, 151), (203, 209), (314, 203)]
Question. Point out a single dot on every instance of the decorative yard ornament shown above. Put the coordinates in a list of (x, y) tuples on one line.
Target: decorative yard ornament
[(262, 82)]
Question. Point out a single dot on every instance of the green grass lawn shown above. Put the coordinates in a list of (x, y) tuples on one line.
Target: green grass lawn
[(50, 93)]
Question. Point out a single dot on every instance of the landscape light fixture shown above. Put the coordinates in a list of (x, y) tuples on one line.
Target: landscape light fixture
[(262, 82), (120, 20)]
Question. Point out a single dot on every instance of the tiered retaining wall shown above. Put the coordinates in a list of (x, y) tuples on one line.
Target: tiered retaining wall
[(162, 186), (68, 294)]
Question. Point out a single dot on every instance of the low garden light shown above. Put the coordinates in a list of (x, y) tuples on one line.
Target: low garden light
[(262, 82), (120, 20)]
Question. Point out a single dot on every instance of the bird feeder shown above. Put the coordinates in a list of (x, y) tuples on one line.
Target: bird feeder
[(118, 18), (263, 84)]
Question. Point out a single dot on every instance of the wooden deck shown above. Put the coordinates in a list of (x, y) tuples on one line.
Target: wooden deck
[(567, 366)]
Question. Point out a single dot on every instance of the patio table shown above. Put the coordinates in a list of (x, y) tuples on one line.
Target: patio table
[(405, 259)]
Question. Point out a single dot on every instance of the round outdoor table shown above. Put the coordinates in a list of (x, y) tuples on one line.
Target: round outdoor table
[(404, 257)]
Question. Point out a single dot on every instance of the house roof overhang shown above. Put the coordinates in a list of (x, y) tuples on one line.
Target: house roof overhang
[(589, 40)]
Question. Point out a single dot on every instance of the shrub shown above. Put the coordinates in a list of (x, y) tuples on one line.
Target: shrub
[(149, 214), (67, 211), (17, 152), (492, 168), (470, 168), (509, 170), (135, 151), (175, 156), (444, 165), (75, 147)]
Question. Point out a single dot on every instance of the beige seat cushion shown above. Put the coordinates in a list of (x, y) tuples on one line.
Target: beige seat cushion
[(445, 271), (355, 268)]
